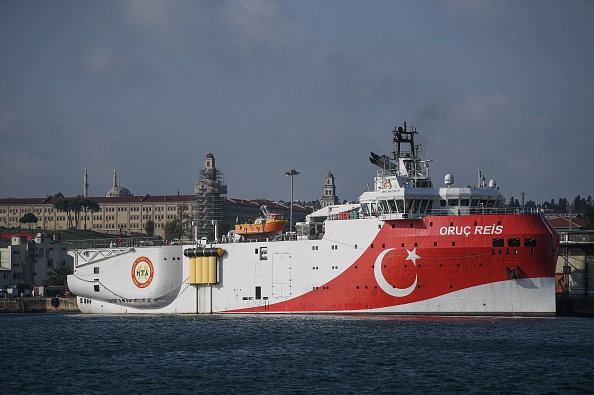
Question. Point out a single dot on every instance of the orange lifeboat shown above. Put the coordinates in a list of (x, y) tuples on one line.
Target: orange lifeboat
[(270, 224)]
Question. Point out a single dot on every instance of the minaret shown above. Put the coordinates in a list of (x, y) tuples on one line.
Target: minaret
[(329, 197), (85, 184), (115, 178)]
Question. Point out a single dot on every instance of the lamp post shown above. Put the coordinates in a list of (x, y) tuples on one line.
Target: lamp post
[(291, 173)]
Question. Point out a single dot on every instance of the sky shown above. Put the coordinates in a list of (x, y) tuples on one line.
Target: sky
[(149, 87)]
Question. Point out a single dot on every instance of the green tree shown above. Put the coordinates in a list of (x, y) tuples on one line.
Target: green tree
[(185, 220), (589, 216), (173, 229), (29, 218), (64, 206), (149, 228), (89, 206), (58, 275), (180, 226), (73, 207)]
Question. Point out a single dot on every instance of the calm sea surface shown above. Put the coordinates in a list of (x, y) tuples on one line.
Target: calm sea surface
[(86, 354)]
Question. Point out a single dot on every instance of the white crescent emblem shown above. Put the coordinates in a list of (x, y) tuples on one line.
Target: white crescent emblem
[(384, 284)]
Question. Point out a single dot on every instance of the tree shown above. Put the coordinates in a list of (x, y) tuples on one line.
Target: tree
[(177, 227), (58, 275), (173, 229), (589, 216), (74, 206), (64, 205), (185, 220), (149, 228), (89, 206), (28, 219)]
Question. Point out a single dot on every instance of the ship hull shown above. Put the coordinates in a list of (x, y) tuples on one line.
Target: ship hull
[(437, 265)]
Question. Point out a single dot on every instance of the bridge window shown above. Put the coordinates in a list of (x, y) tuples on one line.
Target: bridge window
[(392, 206), (365, 207), (513, 242)]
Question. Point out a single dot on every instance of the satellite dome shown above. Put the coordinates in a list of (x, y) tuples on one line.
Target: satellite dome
[(448, 180)]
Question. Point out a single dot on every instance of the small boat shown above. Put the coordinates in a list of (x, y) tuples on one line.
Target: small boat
[(270, 224)]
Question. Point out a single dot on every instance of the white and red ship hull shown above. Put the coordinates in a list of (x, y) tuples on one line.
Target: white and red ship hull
[(500, 264)]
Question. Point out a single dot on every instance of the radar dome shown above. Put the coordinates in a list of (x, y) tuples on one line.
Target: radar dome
[(492, 184), (449, 180)]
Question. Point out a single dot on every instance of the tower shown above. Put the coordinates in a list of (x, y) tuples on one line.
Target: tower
[(209, 190), (329, 198), (85, 184)]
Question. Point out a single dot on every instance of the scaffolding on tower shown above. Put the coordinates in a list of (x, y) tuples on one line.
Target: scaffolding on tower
[(209, 190)]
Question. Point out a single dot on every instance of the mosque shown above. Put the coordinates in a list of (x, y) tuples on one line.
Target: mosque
[(123, 213)]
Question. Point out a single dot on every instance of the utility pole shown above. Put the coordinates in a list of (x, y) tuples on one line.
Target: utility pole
[(291, 173)]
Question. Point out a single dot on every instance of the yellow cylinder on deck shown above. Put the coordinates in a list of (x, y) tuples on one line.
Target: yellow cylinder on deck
[(199, 270), (204, 265), (212, 269), (193, 270)]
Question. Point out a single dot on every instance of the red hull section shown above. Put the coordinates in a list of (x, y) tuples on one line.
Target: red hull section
[(415, 260)]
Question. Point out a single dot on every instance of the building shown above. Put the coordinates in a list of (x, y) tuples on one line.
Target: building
[(29, 261), (209, 191), (120, 212), (329, 198)]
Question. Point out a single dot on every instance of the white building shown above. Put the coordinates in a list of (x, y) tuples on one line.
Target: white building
[(29, 261)]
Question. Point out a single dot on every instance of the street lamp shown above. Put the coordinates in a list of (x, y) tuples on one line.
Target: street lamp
[(291, 173)]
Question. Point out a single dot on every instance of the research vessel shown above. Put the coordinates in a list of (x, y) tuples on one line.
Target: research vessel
[(407, 247)]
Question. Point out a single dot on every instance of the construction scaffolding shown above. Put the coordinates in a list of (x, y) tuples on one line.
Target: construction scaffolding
[(209, 190)]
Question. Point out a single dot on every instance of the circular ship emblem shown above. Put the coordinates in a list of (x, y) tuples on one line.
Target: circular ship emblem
[(142, 272), (384, 284)]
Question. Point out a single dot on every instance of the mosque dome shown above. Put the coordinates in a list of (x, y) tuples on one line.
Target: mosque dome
[(117, 190)]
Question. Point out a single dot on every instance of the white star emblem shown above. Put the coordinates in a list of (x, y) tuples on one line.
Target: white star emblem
[(412, 256)]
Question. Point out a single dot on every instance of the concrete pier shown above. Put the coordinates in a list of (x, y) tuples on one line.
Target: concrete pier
[(38, 305)]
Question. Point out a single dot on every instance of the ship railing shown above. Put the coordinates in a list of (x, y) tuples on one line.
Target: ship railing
[(484, 211), (117, 242), (446, 211)]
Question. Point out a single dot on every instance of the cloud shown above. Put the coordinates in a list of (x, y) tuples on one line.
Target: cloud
[(97, 60), (259, 25), (152, 15)]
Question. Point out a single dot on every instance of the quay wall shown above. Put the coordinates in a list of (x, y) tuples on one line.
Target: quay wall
[(38, 305)]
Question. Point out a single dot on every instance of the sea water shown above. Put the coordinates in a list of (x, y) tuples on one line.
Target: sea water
[(293, 354)]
